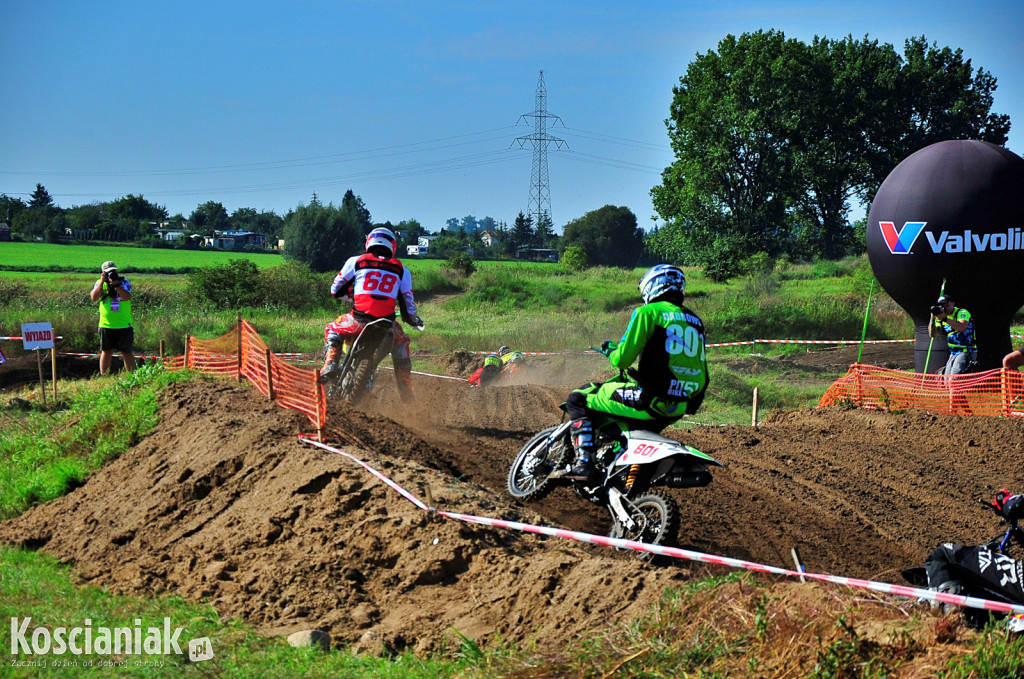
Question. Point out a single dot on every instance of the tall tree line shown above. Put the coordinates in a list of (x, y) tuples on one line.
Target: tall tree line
[(773, 138)]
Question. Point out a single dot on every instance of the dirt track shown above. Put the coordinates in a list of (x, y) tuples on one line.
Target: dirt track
[(222, 503)]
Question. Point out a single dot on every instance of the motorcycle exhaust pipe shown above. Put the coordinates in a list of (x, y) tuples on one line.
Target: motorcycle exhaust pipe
[(688, 480)]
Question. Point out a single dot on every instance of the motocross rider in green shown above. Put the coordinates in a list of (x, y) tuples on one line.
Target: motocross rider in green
[(670, 379)]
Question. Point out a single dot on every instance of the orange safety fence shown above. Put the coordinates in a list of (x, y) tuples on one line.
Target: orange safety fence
[(997, 393), (241, 352)]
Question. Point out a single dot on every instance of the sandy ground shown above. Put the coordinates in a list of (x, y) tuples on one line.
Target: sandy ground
[(222, 503)]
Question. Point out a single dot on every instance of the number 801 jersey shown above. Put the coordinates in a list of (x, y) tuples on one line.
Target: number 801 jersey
[(374, 285)]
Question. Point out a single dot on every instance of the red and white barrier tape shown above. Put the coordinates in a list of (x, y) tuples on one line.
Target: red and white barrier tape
[(717, 344), (677, 553), (19, 338), (443, 377)]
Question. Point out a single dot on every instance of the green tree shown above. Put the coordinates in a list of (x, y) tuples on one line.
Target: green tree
[(10, 207), (410, 230), (137, 208), (84, 217), (55, 231), (209, 217), (354, 204), (40, 198), (730, 131), (32, 223), (773, 138), (545, 233), (243, 219), (608, 236), (942, 97), (522, 230), (322, 236), (574, 258), (469, 224)]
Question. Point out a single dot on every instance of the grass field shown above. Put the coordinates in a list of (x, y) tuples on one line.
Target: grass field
[(87, 258)]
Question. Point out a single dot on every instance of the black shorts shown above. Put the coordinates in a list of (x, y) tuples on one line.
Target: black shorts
[(117, 339)]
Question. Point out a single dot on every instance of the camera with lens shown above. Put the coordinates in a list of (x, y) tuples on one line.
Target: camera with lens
[(938, 309)]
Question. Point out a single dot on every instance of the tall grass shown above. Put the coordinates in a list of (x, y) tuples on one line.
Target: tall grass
[(46, 451), (537, 307)]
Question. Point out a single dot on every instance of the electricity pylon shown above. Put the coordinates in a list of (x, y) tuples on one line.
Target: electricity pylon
[(540, 191)]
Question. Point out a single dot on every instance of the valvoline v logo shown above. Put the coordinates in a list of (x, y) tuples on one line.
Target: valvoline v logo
[(900, 242)]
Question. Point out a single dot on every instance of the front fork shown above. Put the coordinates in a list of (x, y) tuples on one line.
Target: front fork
[(617, 506)]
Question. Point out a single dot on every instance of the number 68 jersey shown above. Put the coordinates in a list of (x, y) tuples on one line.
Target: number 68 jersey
[(374, 285)]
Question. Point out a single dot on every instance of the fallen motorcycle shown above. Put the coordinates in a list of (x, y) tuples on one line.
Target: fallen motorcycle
[(638, 467), (998, 574)]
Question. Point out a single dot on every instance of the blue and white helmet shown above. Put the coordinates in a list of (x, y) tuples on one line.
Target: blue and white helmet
[(384, 238), (661, 279)]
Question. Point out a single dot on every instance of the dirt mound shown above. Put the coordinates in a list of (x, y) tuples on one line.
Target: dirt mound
[(222, 503), (459, 363)]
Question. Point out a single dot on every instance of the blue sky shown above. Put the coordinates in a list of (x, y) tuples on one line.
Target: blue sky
[(412, 105)]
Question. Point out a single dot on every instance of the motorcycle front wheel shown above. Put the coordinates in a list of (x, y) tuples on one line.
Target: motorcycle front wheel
[(656, 516), (529, 477)]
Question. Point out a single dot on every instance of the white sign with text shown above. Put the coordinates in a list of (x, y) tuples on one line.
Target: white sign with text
[(37, 335)]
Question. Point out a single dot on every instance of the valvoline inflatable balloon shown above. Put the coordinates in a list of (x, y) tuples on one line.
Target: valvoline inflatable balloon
[(953, 211)]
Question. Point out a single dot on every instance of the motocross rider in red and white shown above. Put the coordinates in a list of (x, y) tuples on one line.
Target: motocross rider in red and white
[(377, 283)]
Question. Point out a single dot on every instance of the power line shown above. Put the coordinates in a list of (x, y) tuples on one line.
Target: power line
[(609, 139), (282, 164), (540, 190)]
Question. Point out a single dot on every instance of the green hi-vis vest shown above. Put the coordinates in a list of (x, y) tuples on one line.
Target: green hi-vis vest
[(114, 313)]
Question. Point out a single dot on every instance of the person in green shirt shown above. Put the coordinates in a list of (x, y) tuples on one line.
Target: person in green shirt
[(669, 381), (114, 293)]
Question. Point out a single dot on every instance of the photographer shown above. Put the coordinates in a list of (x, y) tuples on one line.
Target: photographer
[(958, 327), (114, 293)]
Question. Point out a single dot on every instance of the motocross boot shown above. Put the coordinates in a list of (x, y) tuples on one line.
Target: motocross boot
[(330, 369), (949, 587), (583, 444), (404, 381)]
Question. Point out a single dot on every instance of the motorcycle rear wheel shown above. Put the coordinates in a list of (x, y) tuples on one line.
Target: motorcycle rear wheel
[(529, 477), (656, 514), (353, 385)]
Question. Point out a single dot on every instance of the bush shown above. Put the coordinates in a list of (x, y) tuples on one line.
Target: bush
[(757, 263), (228, 286), (574, 258), (460, 265), (723, 260), (12, 291), (293, 285)]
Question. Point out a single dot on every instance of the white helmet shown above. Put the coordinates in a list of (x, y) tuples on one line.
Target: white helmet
[(384, 238), (661, 279)]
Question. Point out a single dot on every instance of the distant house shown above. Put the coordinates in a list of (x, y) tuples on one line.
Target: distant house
[(235, 240), (537, 254), (5, 231), (487, 238), (169, 234), (424, 243)]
